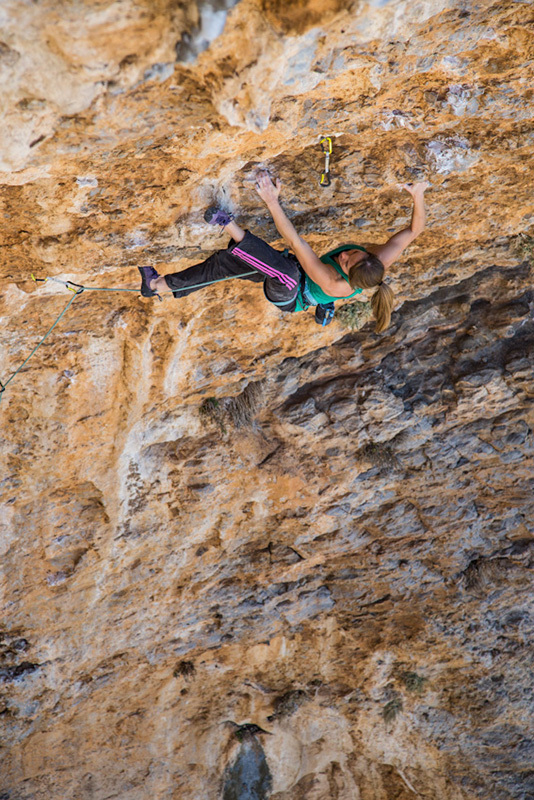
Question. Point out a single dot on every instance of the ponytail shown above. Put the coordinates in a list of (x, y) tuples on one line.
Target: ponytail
[(367, 273), (382, 305)]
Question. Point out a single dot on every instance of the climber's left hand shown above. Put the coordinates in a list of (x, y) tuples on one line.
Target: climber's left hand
[(415, 189)]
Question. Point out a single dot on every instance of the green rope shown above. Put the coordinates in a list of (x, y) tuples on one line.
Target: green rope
[(167, 291), (49, 331), (79, 289)]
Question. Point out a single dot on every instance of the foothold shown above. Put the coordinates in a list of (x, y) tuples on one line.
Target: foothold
[(38, 140)]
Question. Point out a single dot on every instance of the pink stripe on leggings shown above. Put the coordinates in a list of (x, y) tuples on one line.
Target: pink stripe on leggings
[(251, 260), (266, 268), (291, 283)]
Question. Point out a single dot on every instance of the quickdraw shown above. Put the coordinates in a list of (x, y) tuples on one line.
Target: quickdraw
[(326, 147)]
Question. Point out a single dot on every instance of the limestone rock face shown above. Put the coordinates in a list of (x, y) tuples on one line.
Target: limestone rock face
[(243, 556)]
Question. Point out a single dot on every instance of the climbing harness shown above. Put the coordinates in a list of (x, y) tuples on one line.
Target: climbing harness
[(326, 147), (78, 289)]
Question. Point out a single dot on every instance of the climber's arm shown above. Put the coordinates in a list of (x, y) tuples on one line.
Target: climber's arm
[(324, 275), (391, 250)]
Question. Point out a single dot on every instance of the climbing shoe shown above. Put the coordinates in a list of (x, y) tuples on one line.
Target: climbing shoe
[(148, 274), (324, 313), (216, 216)]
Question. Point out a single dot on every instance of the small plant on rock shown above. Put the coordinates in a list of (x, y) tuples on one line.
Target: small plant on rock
[(391, 709), (523, 247), (380, 454), (413, 681), (211, 410), (184, 669), (354, 315), (243, 408)]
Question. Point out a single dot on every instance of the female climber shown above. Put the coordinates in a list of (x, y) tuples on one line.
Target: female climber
[(296, 282)]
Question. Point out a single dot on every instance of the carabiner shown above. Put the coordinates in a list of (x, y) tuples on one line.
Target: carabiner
[(74, 287), (328, 147)]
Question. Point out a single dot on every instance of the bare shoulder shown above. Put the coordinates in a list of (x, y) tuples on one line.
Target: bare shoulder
[(371, 248), (389, 251)]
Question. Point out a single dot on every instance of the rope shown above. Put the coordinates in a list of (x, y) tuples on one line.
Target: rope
[(78, 289), (68, 284), (49, 331)]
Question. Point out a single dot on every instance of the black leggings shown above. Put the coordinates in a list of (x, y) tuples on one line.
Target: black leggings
[(280, 274)]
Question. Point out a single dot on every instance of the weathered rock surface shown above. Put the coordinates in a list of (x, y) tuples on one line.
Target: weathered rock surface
[(244, 557)]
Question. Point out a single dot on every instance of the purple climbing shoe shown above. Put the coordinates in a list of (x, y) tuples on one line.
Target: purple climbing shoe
[(148, 274), (216, 216)]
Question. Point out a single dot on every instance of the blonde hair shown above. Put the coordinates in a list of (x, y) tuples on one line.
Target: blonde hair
[(367, 273)]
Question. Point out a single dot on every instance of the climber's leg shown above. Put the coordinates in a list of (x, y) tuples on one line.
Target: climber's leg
[(246, 254), (282, 271), (222, 264)]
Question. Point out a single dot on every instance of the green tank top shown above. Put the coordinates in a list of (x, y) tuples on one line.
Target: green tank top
[(312, 294)]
